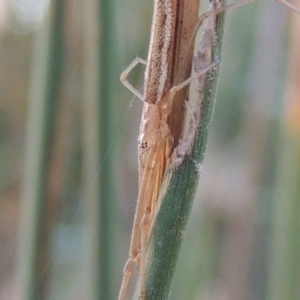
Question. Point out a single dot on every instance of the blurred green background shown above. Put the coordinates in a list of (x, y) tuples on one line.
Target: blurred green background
[(68, 154)]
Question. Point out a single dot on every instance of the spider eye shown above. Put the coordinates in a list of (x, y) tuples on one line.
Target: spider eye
[(144, 145)]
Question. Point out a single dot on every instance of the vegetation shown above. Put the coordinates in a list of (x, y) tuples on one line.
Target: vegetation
[(66, 215)]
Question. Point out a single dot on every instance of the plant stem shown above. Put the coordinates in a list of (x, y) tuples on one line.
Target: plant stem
[(35, 226), (178, 192)]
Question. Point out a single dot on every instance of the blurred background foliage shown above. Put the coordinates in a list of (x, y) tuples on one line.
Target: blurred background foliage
[(66, 118)]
